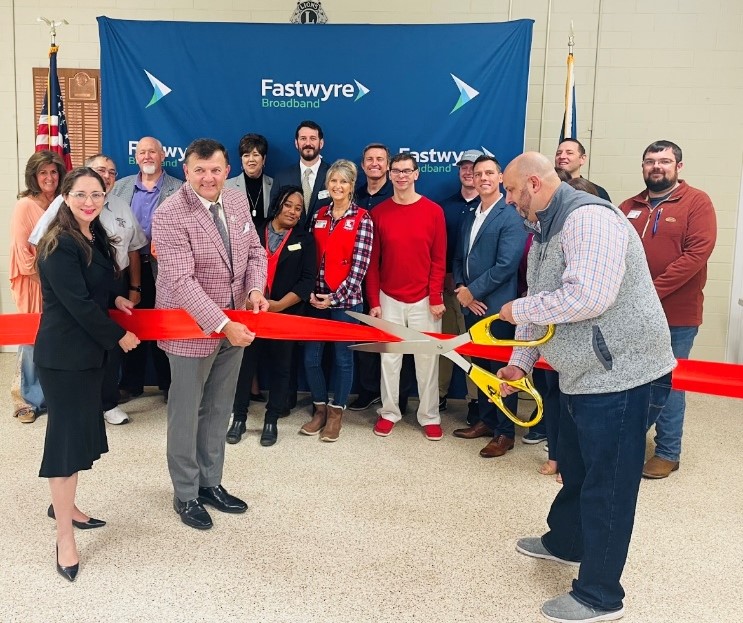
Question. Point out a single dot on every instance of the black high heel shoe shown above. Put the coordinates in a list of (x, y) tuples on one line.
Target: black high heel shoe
[(68, 573), (82, 525)]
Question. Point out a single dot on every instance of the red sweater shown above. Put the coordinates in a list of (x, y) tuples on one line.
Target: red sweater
[(677, 253), (408, 259)]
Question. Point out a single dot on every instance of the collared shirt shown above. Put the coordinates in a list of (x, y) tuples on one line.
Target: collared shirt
[(480, 216), (595, 250), (144, 202), (313, 175), (208, 204), (363, 199), (117, 219), (455, 207), (349, 292)]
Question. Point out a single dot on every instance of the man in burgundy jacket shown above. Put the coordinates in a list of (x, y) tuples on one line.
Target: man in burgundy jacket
[(210, 259), (678, 229), (405, 284)]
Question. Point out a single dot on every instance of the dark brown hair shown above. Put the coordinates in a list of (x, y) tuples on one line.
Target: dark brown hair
[(64, 223), (33, 166)]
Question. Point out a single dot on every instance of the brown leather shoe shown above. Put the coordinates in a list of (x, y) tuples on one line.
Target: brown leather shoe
[(498, 446), (473, 432), (657, 467)]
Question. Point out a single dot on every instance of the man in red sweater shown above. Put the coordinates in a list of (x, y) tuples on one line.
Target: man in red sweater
[(678, 229), (405, 284)]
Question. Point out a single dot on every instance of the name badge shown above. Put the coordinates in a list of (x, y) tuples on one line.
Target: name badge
[(321, 224), (323, 194), (634, 213), (295, 247), (246, 228), (348, 224)]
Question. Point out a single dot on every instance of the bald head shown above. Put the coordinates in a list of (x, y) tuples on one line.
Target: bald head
[(533, 163), (530, 181)]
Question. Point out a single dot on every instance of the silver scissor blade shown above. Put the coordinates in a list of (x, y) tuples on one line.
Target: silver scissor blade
[(412, 347), (390, 327)]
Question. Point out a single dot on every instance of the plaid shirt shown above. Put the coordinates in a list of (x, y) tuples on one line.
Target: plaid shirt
[(348, 293), (595, 250)]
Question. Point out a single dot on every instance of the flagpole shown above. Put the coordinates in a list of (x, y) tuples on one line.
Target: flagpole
[(52, 50)]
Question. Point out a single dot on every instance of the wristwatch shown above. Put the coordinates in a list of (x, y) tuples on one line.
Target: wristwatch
[(135, 289)]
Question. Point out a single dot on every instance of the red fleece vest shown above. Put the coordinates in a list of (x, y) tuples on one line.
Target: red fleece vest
[(336, 246)]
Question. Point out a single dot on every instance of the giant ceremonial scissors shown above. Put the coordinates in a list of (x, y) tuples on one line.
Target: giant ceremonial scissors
[(417, 343)]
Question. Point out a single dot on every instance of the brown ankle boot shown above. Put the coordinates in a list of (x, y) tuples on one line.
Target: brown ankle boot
[(315, 425), (333, 426)]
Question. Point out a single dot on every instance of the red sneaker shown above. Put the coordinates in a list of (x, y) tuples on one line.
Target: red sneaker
[(433, 432), (383, 427)]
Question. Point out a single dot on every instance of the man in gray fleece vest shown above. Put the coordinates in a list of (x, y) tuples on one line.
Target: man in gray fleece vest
[(587, 275)]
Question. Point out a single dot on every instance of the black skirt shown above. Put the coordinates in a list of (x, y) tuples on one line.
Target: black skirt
[(75, 429)]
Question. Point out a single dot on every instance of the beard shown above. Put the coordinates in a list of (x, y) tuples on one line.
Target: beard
[(659, 185), (309, 153), (149, 169)]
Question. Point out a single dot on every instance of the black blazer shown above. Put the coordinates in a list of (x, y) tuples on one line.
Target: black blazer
[(292, 176), (296, 270), (75, 329)]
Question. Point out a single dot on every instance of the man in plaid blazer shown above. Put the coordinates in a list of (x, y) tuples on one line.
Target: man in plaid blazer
[(210, 259)]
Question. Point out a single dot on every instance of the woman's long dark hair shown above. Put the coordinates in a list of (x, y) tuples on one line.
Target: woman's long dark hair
[(64, 223), (284, 193)]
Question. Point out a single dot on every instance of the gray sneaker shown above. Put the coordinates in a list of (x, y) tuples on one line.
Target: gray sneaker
[(566, 609), (532, 546)]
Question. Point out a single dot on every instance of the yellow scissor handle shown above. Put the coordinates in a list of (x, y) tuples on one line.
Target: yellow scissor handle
[(480, 334), (488, 383)]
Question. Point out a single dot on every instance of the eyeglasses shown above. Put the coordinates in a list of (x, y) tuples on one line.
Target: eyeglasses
[(96, 197), (664, 162), (104, 170), (402, 172)]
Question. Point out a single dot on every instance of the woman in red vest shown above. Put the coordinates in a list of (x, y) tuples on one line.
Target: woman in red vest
[(343, 239)]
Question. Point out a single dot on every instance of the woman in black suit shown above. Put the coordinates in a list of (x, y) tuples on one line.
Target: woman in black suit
[(76, 266), (291, 279)]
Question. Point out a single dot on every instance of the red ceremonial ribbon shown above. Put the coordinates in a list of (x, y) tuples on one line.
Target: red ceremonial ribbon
[(706, 377)]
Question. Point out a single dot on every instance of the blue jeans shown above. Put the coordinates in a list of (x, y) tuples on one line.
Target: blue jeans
[(342, 366), (670, 424), (31, 390), (601, 451)]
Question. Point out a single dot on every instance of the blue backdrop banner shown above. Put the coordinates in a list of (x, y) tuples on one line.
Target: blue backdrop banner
[(435, 90)]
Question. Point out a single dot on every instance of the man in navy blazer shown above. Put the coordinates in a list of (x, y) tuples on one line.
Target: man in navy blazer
[(485, 267), (309, 173)]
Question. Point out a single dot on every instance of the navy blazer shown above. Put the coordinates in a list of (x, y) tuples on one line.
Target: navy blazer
[(75, 329), (490, 268), (292, 176)]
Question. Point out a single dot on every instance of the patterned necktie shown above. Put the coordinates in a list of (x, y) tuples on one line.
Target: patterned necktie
[(214, 209), (307, 188)]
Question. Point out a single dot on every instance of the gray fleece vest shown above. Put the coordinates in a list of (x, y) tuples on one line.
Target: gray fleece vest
[(626, 346)]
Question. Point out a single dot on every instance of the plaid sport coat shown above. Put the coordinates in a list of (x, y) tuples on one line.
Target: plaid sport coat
[(194, 269)]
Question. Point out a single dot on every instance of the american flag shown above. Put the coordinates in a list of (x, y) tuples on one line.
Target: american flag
[(52, 133)]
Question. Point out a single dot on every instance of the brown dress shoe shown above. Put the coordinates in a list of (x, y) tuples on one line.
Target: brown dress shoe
[(498, 446), (657, 467), (473, 432)]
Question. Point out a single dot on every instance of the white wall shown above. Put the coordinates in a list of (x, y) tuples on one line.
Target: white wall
[(670, 69)]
